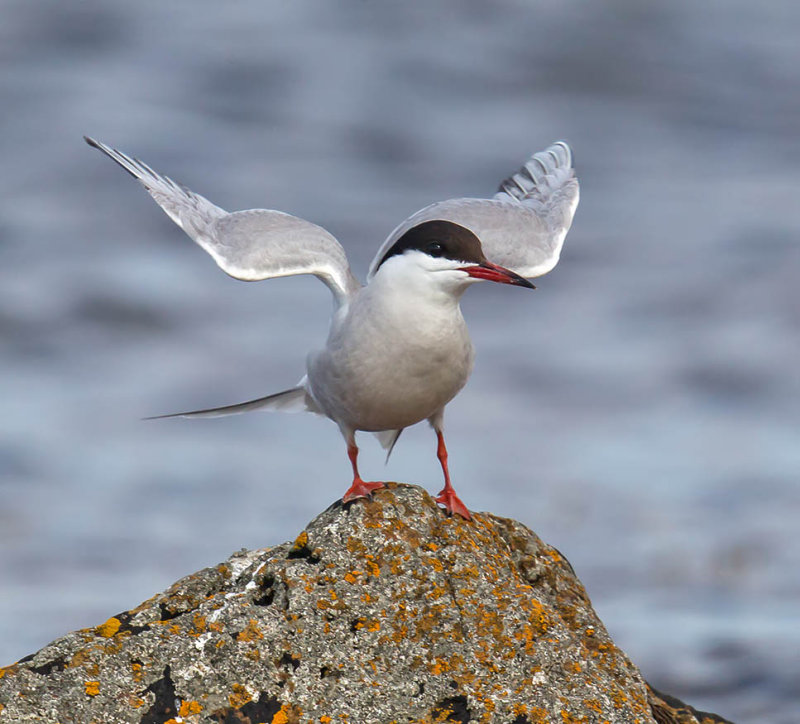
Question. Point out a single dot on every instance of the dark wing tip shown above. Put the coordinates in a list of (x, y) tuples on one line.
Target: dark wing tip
[(120, 158)]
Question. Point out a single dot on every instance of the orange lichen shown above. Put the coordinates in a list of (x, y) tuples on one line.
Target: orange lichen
[(537, 715), (399, 635), (109, 628), (489, 621), (92, 688), (115, 645), (368, 624), (351, 576), (396, 567), (372, 567), (189, 707), (540, 616), (593, 705), (251, 632), (435, 563), (325, 719), (135, 701), (92, 669), (526, 636), (300, 542), (199, 623), (240, 696), (618, 698), (79, 658), (282, 716), (354, 545)]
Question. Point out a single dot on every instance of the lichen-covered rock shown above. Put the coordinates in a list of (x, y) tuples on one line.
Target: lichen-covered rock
[(380, 611)]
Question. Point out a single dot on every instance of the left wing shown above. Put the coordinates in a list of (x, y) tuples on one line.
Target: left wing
[(523, 226), (249, 245)]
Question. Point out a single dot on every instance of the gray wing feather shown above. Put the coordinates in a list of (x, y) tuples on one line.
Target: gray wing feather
[(192, 212), (524, 225), (248, 245), (259, 244)]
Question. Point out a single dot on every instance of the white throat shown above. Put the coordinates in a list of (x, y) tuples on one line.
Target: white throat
[(429, 281)]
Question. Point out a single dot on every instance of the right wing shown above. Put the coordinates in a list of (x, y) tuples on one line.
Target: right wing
[(248, 245), (523, 226)]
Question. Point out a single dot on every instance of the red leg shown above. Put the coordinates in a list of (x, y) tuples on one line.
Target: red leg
[(448, 498), (359, 488)]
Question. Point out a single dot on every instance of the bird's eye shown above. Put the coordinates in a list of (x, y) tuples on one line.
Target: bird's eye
[(434, 248)]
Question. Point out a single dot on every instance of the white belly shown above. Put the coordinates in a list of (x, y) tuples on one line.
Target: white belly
[(386, 368)]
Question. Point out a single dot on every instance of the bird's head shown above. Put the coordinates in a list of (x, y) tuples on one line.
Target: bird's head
[(448, 255)]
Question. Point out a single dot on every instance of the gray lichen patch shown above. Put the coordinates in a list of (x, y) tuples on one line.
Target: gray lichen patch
[(380, 611)]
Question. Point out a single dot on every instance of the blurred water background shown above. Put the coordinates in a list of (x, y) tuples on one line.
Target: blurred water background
[(639, 411)]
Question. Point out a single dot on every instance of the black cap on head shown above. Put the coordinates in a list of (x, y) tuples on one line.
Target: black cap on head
[(443, 239)]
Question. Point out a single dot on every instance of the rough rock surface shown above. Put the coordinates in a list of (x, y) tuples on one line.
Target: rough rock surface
[(380, 611)]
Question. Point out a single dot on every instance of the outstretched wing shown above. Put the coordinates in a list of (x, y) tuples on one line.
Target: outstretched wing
[(248, 245), (523, 226)]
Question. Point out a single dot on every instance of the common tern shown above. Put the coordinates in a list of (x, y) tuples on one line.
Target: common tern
[(398, 349)]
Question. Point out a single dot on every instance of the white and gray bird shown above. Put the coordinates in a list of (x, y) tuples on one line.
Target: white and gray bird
[(398, 349)]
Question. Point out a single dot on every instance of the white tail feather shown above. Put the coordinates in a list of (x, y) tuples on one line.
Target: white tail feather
[(388, 439), (293, 400)]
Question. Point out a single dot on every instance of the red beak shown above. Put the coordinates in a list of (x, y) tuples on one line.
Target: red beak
[(495, 273)]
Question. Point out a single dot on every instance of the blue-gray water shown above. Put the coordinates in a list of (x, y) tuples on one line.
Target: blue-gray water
[(639, 410)]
